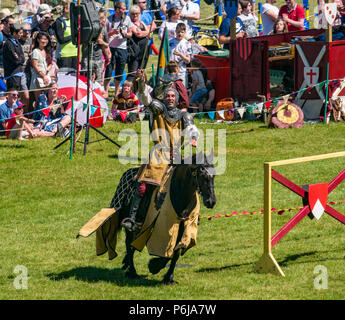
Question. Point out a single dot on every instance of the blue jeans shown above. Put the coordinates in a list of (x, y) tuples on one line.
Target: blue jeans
[(198, 95)]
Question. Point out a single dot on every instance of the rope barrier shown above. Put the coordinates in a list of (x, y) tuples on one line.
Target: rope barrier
[(261, 211)]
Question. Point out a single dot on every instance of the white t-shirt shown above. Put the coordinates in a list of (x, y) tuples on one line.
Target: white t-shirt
[(190, 8), (267, 22), (171, 28), (118, 41), (185, 48), (249, 24)]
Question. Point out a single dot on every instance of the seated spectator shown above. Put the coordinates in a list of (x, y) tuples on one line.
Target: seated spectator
[(269, 14), (293, 14), (126, 101), (52, 116), (14, 62), (39, 66), (224, 30), (199, 88), (181, 51), (279, 26), (18, 126), (6, 108), (249, 21), (208, 100), (171, 23), (140, 37)]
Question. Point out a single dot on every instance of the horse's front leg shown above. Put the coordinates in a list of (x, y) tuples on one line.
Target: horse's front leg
[(128, 261), (169, 276)]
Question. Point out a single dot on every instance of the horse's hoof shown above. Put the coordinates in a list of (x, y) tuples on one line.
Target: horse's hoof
[(157, 264), (132, 275), (170, 282)]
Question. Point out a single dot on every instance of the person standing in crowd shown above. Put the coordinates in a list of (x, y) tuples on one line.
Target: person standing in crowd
[(119, 28), (171, 23), (14, 62), (190, 12), (172, 76), (279, 26), (67, 52), (26, 42), (224, 30), (104, 42), (293, 14), (269, 14), (147, 18), (6, 19), (249, 21), (181, 51), (140, 37), (44, 21), (6, 108), (39, 65)]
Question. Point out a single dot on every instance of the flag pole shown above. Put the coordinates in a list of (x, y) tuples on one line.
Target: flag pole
[(72, 130), (326, 100), (78, 72)]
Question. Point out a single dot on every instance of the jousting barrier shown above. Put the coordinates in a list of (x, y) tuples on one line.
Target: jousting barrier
[(314, 200)]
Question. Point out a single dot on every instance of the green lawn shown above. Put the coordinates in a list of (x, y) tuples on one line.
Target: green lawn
[(47, 197)]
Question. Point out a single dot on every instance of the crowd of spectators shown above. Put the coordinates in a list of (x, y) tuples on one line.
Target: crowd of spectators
[(32, 55)]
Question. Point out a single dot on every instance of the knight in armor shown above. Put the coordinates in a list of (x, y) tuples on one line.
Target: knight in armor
[(168, 126)]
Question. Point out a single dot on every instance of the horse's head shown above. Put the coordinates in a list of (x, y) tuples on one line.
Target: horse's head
[(204, 173)]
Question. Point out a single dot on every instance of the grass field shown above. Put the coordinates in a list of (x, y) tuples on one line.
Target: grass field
[(47, 197)]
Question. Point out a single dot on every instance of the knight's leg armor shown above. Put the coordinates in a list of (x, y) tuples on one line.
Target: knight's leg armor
[(131, 223)]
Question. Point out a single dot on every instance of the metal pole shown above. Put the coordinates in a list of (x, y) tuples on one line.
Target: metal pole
[(78, 71)]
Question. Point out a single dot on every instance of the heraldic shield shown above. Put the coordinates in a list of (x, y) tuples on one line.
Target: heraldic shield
[(317, 196), (330, 11)]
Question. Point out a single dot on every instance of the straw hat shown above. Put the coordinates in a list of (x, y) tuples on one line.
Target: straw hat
[(4, 13)]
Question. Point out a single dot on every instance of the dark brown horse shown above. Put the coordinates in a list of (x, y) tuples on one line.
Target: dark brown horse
[(187, 179)]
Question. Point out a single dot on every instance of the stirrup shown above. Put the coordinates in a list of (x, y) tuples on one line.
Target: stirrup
[(130, 224)]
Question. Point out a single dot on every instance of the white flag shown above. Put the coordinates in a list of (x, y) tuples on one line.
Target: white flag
[(241, 111), (221, 114)]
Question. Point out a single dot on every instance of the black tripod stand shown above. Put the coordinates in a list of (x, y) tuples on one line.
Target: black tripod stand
[(87, 126)]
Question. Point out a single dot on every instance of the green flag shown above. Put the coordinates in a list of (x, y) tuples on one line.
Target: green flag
[(164, 55)]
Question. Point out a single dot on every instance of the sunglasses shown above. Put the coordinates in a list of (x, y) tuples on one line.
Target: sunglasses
[(26, 31), (14, 95)]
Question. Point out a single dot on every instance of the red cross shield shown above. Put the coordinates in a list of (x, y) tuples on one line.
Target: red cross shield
[(311, 75), (317, 196)]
